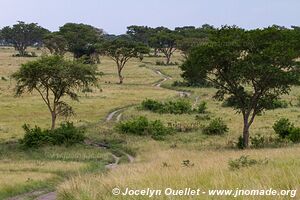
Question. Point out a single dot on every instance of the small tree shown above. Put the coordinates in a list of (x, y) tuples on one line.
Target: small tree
[(252, 68), (121, 50), (165, 41), (53, 78), (23, 35)]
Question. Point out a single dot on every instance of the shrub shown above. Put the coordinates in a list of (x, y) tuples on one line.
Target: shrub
[(179, 106), (283, 127), (244, 161), (3, 78), (163, 63), (278, 104), (67, 134), (35, 137), (202, 117), (216, 127), (152, 105), (143, 127), (160, 62), (240, 143), (191, 84), (294, 135), (258, 141), (202, 107)]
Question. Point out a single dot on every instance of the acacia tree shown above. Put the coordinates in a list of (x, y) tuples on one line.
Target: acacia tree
[(252, 68), (81, 38), (139, 33), (53, 78), (22, 35), (56, 43), (165, 41), (121, 50), (191, 37)]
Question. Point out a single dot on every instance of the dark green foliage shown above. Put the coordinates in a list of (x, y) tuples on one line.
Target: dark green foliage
[(240, 143), (283, 127), (294, 135), (202, 117), (143, 127), (277, 104), (162, 63), (81, 39), (190, 84), (152, 105), (202, 107), (66, 134), (216, 127), (22, 35), (179, 106), (244, 161)]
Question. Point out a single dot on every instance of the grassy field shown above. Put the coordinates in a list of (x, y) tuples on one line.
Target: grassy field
[(77, 172)]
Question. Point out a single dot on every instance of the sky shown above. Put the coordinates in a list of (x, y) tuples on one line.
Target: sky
[(115, 15)]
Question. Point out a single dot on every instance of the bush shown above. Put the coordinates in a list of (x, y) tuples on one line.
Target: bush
[(179, 106), (203, 84), (165, 64), (67, 134), (244, 161), (202, 107), (283, 127), (240, 143), (152, 105), (143, 127), (278, 104), (294, 135), (216, 127), (258, 141), (286, 130)]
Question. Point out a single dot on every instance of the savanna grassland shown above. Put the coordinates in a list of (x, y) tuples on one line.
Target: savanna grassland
[(78, 172)]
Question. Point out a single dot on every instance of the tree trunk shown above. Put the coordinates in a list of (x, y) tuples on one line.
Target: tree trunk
[(120, 75), (246, 132), (53, 116), (22, 51), (168, 59)]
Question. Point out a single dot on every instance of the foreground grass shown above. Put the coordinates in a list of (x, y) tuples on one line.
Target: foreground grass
[(27, 170), (160, 169)]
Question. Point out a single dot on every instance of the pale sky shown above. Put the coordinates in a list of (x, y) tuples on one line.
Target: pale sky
[(115, 15)]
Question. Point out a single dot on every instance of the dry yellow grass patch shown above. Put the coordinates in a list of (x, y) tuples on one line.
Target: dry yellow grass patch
[(209, 171)]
